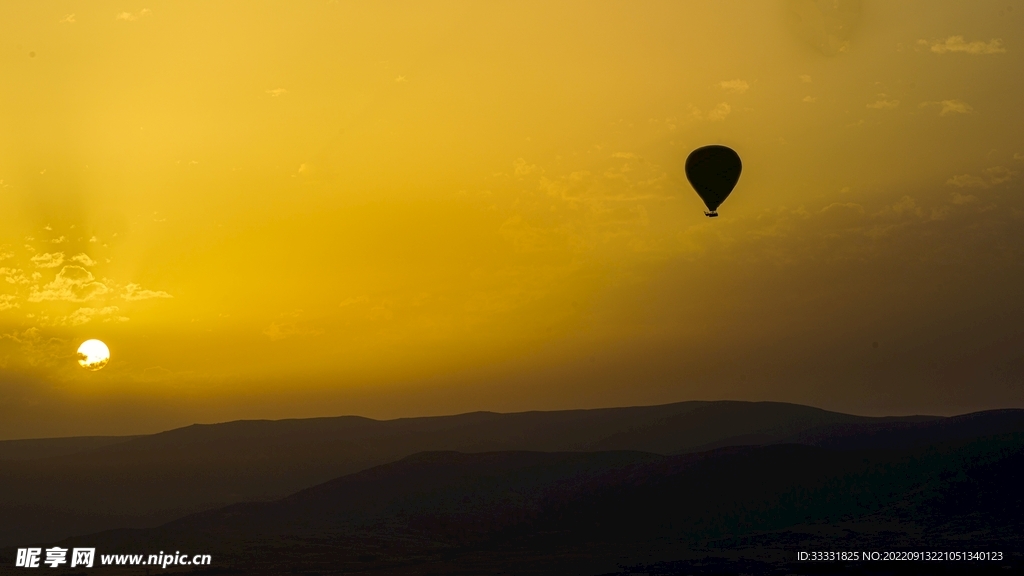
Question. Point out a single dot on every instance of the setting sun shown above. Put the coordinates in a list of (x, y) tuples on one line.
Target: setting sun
[(93, 354)]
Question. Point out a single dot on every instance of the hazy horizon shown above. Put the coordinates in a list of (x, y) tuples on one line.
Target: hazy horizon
[(285, 210), (441, 415)]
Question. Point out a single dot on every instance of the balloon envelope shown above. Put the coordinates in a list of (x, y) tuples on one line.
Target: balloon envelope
[(713, 172)]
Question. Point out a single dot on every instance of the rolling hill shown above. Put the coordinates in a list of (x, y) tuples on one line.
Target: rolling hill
[(148, 480), (951, 486)]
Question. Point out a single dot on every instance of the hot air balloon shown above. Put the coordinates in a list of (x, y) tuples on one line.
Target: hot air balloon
[(713, 172)]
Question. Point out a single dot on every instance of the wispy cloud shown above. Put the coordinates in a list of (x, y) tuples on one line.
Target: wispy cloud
[(719, 112), (958, 44), (48, 260), (14, 276), (967, 181), (132, 17), (39, 349), (68, 19), (72, 284), (955, 107), (7, 301), (734, 86), (905, 206), (523, 168), (86, 315), (133, 292), (83, 259), (947, 107), (280, 331), (990, 177), (884, 104), (277, 92), (959, 198)]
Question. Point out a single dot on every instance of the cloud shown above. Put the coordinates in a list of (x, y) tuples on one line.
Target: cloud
[(277, 92), (843, 207), (884, 104), (998, 174), (719, 112), (607, 202), (967, 181), (522, 168), (810, 99), (129, 17), (381, 312), (85, 315), (72, 284), (905, 205), (68, 19), (286, 330), (949, 107), (14, 276), (958, 44), (734, 86), (38, 350), (5, 254), (959, 198), (955, 107), (805, 78), (993, 176), (51, 260), (7, 301), (84, 260), (135, 292)]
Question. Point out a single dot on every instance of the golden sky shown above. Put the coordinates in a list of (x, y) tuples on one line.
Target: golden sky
[(289, 209)]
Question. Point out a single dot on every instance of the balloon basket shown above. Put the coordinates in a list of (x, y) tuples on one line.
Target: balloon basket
[(712, 214)]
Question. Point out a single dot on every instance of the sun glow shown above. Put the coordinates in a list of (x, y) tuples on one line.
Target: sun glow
[(93, 354)]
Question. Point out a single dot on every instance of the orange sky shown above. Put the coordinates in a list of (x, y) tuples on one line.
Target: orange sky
[(283, 209)]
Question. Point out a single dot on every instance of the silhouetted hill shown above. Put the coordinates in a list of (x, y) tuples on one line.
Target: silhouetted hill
[(910, 433), (588, 513), (47, 447), (152, 479)]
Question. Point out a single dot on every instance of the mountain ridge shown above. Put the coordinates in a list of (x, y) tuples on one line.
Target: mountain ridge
[(149, 480), (590, 512)]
